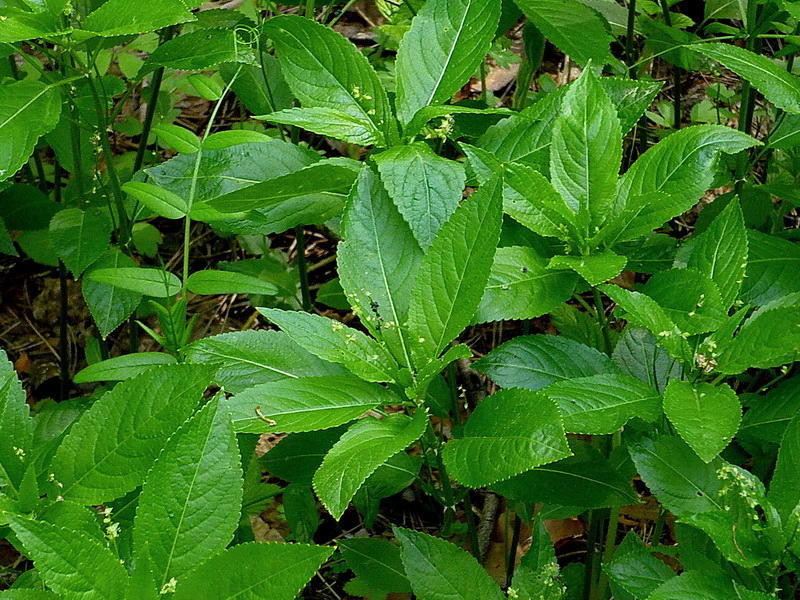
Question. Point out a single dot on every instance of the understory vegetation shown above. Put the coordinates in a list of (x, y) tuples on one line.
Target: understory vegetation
[(433, 299)]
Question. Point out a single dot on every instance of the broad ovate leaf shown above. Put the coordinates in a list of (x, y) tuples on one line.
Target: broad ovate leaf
[(706, 416), (522, 426), (447, 41)]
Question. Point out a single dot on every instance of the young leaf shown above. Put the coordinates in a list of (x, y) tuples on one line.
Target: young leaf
[(501, 426), (109, 305), (675, 474), (425, 187), (80, 237), (447, 41), (174, 137), (364, 447), (439, 570), (333, 341), (778, 85), (576, 29), (681, 165), (595, 268), (210, 281), (586, 480), (643, 311), (108, 451), (331, 176), (535, 361), (69, 562), (190, 501), (28, 110), (268, 571), (123, 367), (784, 489), (305, 404), (601, 404), (586, 152), (720, 252), (378, 261), (325, 70), (520, 286), (16, 443), (162, 202), (149, 282), (706, 416), (454, 271), (772, 267), (249, 358), (120, 17)]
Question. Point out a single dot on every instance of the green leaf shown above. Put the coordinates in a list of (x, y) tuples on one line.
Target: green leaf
[(149, 282), (69, 562), (378, 261), (643, 311), (587, 480), (6, 244), (530, 199), (199, 50), (120, 17), (720, 252), (601, 404), (575, 28), (109, 305), (681, 165), (454, 272), (676, 475), (691, 299), (209, 282), (162, 202), (636, 571), (392, 477), (124, 367), (768, 416), (594, 268), (333, 341), (784, 489), (772, 267), (638, 354), (177, 138), (80, 237), (764, 340), (270, 571), (425, 187), (705, 416), (299, 455), (780, 87), (536, 576), (249, 358), (305, 404), (189, 505), (325, 70), (108, 451), (28, 110), (501, 426), (330, 122), (331, 176), (364, 447), (26, 594), (694, 585), (535, 361), (630, 97), (424, 115), (586, 152), (377, 561), (439, 570), (521, 286), (447, 41), (16, 443)]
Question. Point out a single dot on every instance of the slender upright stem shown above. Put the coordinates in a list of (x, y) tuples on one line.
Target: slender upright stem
[(63, 340), (629, 39), (511, 559), (591, 567), (302, 267), (676, 73), (484, 91), (748, 97), (147, 124), (601, 319), (310, 8), (472, 527)]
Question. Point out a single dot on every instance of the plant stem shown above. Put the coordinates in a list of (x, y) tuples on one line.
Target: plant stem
[(147, 124), (592, 556), (611, 530), (602, 320), (302, 267), (676, 74), (511, 558), (310, 8), (629, 35), (484, 91), (472, 527), (63, 341), (748, 98)]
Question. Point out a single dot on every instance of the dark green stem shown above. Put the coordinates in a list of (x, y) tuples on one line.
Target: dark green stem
[(748, 97), (63, 341), (602, 320), (676, 73), (511, 559), (629, 39), (147, 124), (472, 527), (591, 567), (302, 267), (310, 9)]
